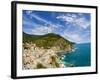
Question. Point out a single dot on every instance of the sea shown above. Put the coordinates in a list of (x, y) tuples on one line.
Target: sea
[(80, 56)]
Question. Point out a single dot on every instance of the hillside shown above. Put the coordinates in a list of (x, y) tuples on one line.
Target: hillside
[(49, 40), (43, 51)]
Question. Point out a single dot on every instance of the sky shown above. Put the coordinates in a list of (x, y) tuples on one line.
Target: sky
[(73, 26)]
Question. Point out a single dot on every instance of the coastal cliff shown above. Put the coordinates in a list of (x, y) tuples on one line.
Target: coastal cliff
[(41, 51)]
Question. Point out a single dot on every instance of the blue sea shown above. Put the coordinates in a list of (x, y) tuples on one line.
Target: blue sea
[(79, 57)]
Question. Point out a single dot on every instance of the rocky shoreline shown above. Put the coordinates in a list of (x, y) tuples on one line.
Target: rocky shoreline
[(36, 58)]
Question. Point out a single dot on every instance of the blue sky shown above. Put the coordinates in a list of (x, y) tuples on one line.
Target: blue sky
[(73, 26)]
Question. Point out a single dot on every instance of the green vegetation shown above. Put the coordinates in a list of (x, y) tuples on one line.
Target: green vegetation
[(39, 65), (30, 38), (49, 40), (54, 61)]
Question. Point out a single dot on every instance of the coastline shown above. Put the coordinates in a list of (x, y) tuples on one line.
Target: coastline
[(37, 58), (80, 56)]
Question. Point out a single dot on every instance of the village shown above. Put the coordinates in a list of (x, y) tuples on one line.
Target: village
[(36, 58)]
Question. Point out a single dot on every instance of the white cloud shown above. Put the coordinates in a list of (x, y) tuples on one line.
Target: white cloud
[(72, 36), (46, 27), (46, 22), (78, 21), (82, 22), (29, 23), (76, 37), (39, 18), (65, 18), (79, 24), (74, 19), (29, 12), (41, 30)]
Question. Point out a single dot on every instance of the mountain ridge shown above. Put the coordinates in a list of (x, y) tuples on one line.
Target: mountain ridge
[(48, 40)]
